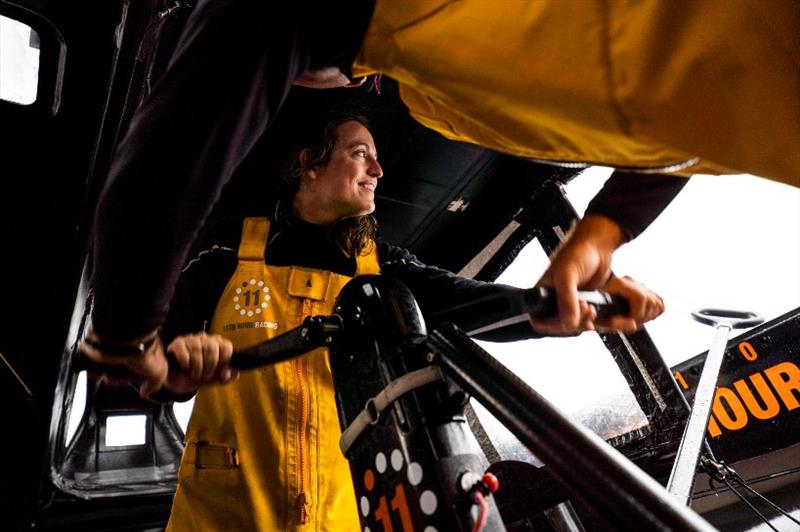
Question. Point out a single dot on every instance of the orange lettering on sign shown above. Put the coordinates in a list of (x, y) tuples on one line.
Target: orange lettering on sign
[(730, 409), (785, 378), (737, 418), (771, 405), (713, 428), (748, 351), (681, 380)]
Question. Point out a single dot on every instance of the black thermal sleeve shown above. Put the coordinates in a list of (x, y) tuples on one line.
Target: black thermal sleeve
[(437, 290), (633, 201)]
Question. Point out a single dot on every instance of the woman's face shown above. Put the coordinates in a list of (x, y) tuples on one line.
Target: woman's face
[(345, 185)]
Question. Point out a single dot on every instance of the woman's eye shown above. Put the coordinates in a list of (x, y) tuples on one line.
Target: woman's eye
[(362, 153)]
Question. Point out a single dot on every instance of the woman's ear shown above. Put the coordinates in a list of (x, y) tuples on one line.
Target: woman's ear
[(304, 156)]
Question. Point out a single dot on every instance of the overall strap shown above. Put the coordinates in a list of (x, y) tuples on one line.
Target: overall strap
[(367, 260), (254, 239)]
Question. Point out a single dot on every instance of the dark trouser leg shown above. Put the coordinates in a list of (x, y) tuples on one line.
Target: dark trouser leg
[(232, 69)]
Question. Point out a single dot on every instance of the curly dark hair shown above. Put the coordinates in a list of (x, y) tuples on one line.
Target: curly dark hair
[(351, 235)]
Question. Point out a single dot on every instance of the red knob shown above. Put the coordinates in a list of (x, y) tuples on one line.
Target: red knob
[(491, 482)]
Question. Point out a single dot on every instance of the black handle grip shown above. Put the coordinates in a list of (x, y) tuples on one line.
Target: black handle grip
[(283, 347), (289, 344), (606, 304), (540, 301), (316, 331)]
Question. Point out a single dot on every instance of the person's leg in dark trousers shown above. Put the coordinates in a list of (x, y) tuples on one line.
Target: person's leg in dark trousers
[(232, 69)]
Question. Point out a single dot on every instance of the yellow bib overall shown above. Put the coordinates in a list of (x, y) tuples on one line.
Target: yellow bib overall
[(262, 452)]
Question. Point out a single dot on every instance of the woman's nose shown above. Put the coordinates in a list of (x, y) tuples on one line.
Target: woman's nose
[(375, 169)]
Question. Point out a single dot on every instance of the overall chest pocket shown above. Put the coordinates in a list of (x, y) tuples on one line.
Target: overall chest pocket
[(309, 284), (209, 463)]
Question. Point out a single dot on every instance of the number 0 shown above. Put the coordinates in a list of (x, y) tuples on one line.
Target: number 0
[(748, 351)]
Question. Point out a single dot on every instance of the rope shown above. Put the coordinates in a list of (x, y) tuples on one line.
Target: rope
[(722, 472), (749, 504)]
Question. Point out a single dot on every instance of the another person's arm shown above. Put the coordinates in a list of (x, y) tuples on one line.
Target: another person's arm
[(193, 305), (437, 290), (584, 263), (626, 206), (633, 201)]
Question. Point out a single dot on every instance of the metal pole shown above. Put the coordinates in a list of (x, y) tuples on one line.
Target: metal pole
[(593, 471), (681, 480)]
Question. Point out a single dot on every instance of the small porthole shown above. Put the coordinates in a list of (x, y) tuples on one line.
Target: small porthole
[(19, 61), (125, 430)]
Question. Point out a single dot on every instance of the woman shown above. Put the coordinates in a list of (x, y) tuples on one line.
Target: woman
[(262, 449)]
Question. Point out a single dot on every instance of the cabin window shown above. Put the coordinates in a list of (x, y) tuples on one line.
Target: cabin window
[(108, 442), (183, 412), (125, 430), (576, 374), (78, 406), (19, 61)]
